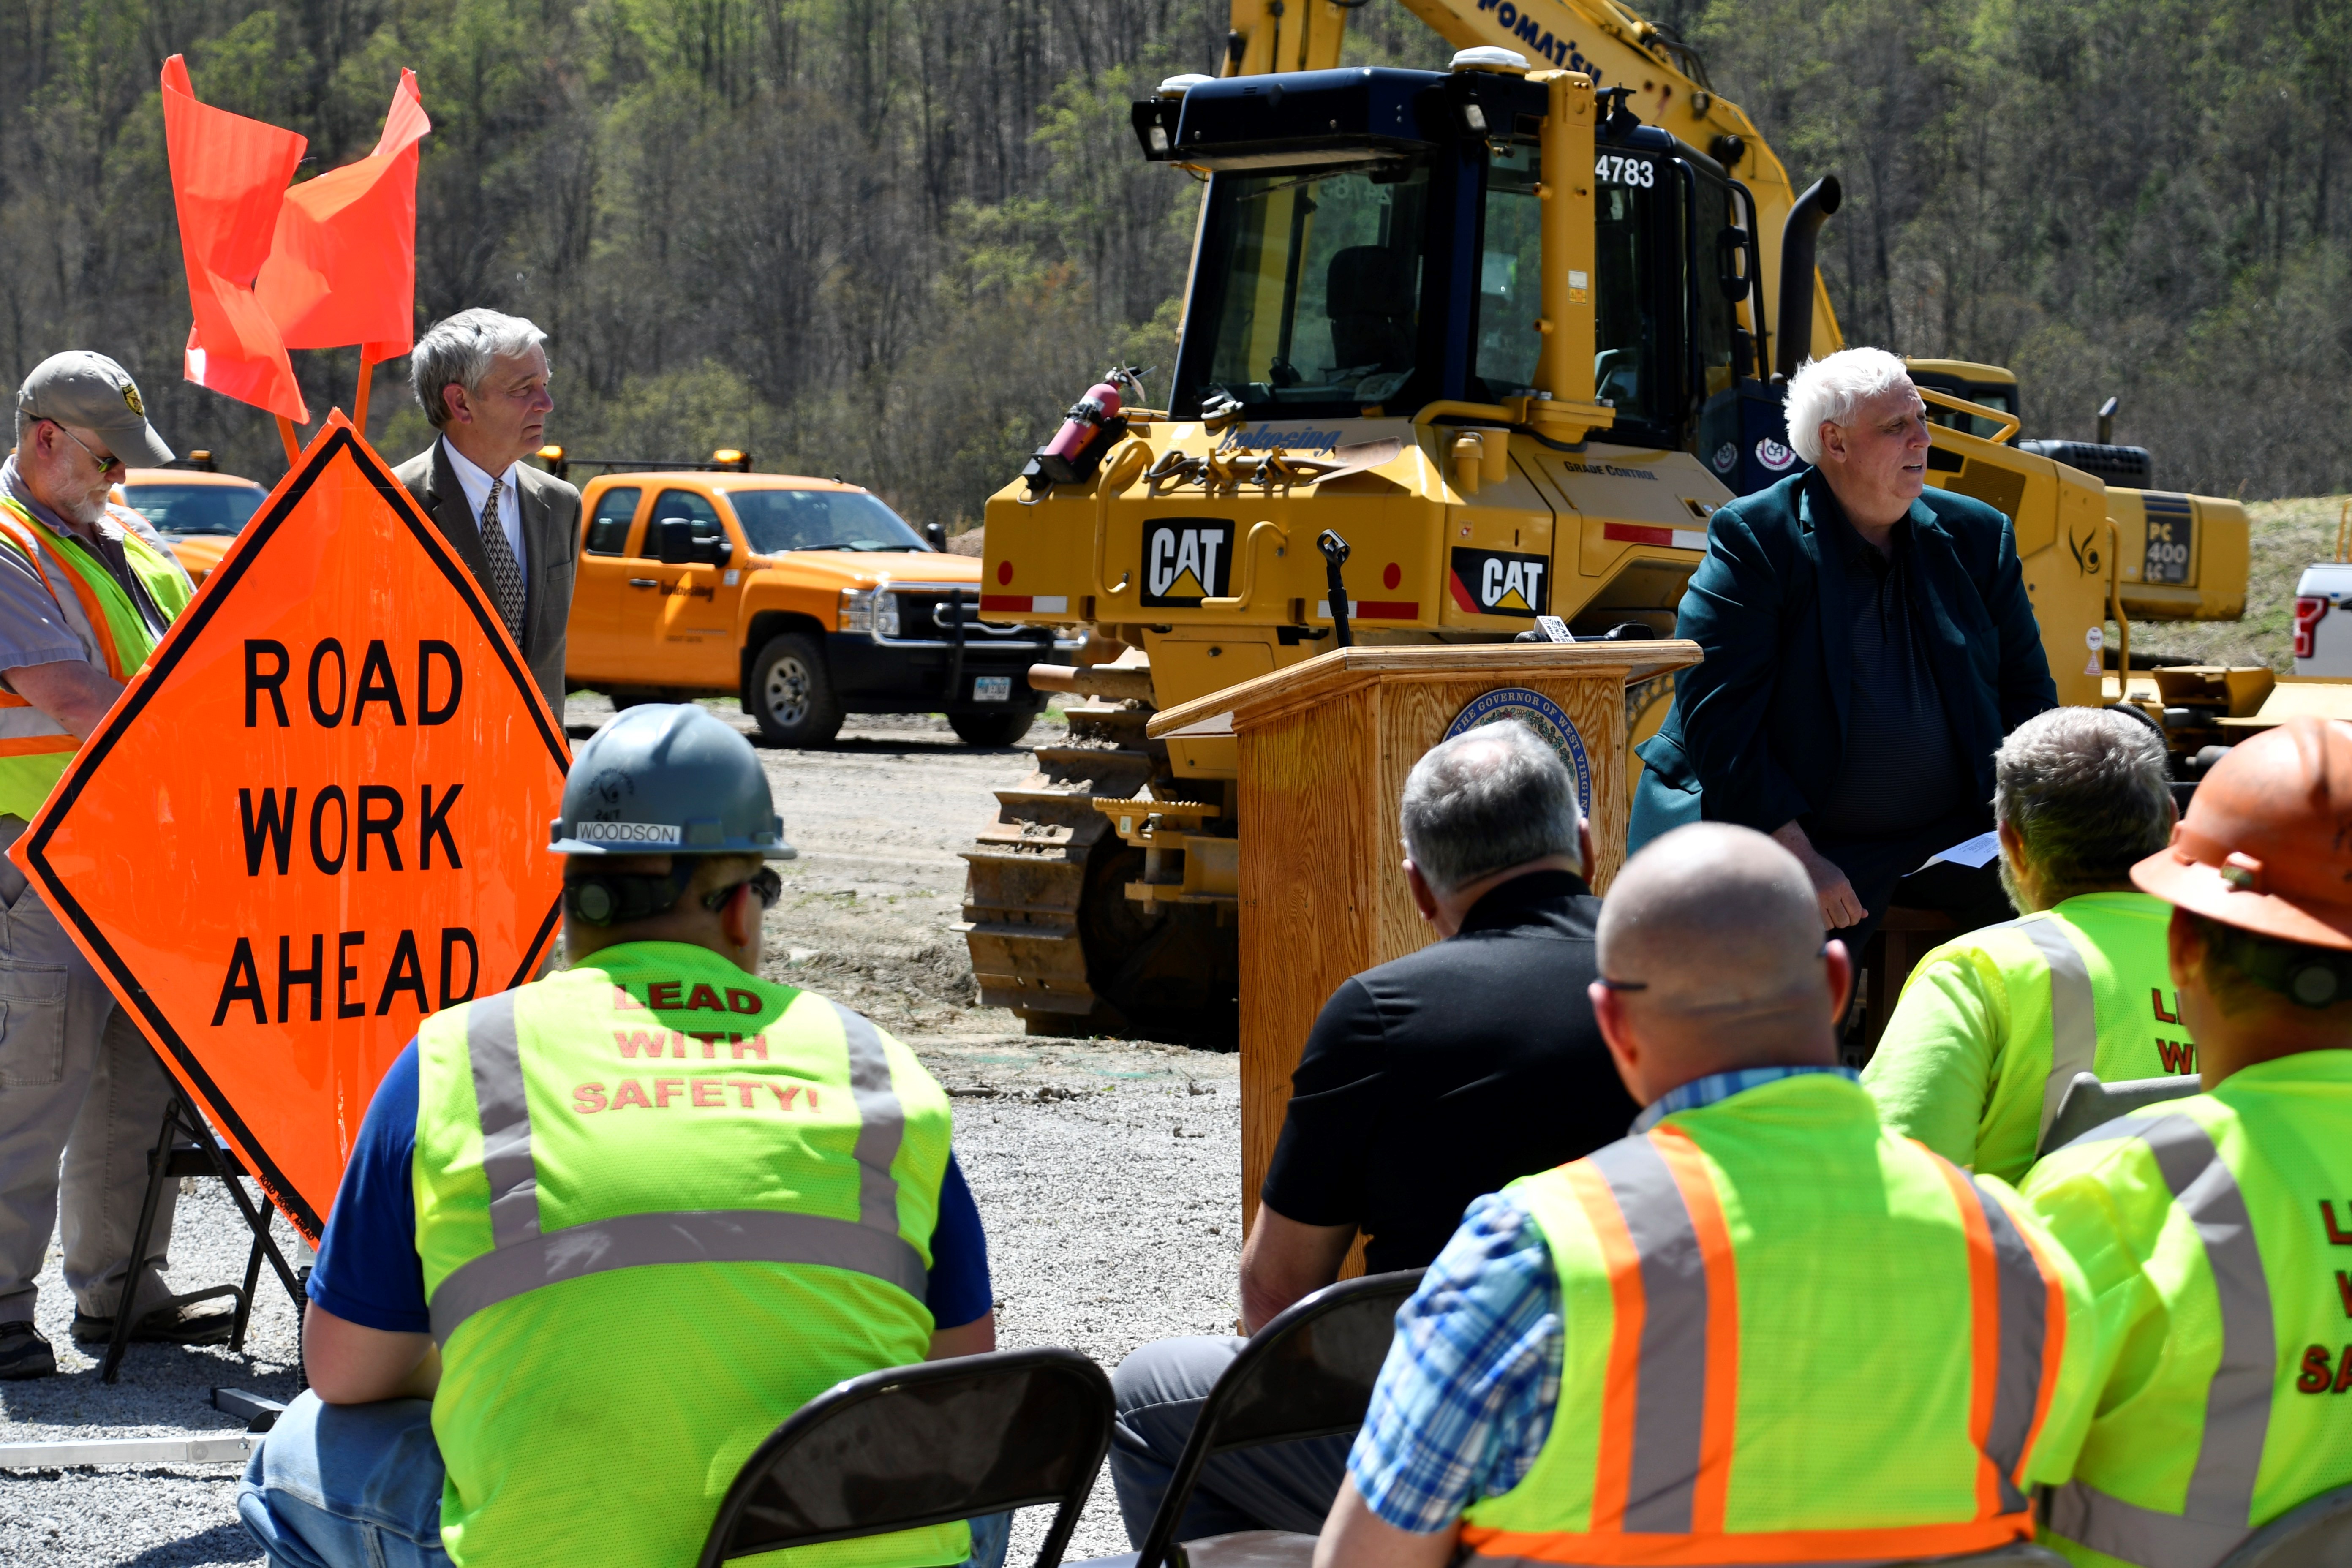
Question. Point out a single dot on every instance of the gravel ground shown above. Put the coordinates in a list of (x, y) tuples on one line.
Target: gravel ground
[(1108, 1173)]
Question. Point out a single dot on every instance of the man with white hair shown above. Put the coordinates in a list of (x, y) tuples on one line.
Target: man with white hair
[(1869, 641), (481, 378), (1992, 1027), (1760, 1328), (1427, 1081)]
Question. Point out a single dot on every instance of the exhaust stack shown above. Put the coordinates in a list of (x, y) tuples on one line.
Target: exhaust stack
[(1798, 244)]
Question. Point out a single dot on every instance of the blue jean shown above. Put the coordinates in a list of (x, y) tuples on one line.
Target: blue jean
[(358, 1486), (1158, 1391)]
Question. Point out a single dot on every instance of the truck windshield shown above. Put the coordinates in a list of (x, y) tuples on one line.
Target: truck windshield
[(1318, 284), (777, 521), (195, 509)]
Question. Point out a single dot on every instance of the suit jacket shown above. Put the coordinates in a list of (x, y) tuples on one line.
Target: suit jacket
[(551, 540), (1758, 730)]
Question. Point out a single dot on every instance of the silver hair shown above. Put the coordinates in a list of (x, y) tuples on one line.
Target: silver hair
[(2088, 791), (1828, 390), (458, 349), (1487, 800)]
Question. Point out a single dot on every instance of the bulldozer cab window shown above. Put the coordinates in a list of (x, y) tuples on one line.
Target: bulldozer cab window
[(1314, 279), (1510, 277), (1712, 312), (1631, 366)]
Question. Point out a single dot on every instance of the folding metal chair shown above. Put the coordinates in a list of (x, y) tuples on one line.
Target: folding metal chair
[(913, 1445), (2319, 1532), (187, 1147), (1308, 1374), (2090, 1103)]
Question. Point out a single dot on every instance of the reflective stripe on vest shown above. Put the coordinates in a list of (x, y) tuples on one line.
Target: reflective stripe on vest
[(2073, 1015), (2219, 1505), (83, 615), (522, 1259), (1670, 1402)]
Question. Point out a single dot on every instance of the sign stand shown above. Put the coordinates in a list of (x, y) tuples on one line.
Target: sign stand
[(202, 1154)]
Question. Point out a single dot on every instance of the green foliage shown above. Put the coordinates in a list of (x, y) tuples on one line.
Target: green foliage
[(894, 240)]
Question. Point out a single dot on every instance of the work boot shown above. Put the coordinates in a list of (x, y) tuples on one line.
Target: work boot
[(173, 1323), (24, 1352)]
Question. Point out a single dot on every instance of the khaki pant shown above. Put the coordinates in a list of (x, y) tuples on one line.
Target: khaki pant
[(76, 1079)]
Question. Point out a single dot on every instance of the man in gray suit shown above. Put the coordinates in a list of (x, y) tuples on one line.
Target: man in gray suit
[(481, 379)]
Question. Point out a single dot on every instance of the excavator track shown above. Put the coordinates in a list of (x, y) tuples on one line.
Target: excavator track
[(1026, 876)]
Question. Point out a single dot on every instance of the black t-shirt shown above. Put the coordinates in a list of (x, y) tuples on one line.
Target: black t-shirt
[(1443, 1076)]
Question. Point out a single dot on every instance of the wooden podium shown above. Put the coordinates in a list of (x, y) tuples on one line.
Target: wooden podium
[(1325, 747)]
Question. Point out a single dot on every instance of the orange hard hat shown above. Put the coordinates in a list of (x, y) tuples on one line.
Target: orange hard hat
[(2267, 842)]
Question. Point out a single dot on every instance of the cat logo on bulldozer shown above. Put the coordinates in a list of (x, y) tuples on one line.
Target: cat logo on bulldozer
[(1186, 560), (1498, 583)]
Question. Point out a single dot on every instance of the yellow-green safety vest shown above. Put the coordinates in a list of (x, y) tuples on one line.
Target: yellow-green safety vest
[(1792, 1337), (1992, 1027), (2216, 1232), (33, 747), (661, 1205)]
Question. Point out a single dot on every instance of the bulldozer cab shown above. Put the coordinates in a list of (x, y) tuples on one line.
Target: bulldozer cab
[(1371, 244)]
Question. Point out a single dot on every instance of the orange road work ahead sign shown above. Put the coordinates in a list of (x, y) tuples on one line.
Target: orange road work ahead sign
[(318, 815)]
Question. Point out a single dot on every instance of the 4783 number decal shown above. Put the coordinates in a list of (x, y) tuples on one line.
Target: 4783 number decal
[(1615, 169)]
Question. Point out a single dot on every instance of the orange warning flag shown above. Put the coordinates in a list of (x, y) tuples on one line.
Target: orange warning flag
[(343, 266), (319, 814), (229, 180)]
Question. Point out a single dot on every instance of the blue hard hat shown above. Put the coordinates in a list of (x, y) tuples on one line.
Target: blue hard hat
[(668, 779)]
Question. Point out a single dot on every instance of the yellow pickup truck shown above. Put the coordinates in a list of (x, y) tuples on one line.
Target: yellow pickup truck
[(809, 599), (197, 509)]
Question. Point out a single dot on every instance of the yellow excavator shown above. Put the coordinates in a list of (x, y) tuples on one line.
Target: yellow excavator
[(1467, 355)]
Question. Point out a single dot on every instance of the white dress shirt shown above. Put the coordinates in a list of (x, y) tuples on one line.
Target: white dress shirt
[(476, 482)]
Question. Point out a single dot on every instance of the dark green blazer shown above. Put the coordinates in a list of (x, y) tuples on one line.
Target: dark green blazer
[(1758, 730)]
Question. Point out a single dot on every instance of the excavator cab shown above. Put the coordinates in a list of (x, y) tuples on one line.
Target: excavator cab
[(1371, 244)]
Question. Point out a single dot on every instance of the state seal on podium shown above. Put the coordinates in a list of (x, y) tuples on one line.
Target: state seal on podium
[(1540, 714)]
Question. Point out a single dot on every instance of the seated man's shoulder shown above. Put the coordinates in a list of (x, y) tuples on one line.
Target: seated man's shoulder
[(1490, 968)]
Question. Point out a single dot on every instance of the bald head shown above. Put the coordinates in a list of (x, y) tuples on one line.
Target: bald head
[(1710, 941)]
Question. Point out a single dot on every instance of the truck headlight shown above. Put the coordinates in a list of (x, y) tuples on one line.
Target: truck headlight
[(873, 611)]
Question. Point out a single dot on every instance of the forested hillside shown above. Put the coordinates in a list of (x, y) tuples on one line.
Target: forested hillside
[(891, 240)]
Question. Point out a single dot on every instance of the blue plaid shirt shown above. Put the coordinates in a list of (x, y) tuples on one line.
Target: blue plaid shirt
[(1463, 1403)]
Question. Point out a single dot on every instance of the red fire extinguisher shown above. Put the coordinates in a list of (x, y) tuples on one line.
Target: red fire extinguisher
[(1090, 428)]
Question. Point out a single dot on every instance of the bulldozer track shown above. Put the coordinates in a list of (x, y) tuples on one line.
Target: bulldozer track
[(1025, 875)]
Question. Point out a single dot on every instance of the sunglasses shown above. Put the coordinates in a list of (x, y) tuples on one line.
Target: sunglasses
[(768, 886), (106, 464)]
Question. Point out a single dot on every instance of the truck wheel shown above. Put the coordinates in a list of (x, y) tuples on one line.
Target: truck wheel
[(990, 730), (792, 695)]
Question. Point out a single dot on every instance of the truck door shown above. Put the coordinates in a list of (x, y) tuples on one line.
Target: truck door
[(670, 620), (593, 649)]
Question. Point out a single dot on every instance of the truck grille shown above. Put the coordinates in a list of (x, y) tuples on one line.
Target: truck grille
[(928, 614)]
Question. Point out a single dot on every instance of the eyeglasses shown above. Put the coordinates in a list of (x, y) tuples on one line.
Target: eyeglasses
[(106, 464), (768, 886)]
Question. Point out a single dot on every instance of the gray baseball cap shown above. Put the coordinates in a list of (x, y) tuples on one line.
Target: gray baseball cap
[(91, 392)]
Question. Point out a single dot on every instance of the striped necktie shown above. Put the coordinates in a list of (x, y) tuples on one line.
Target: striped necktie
[(506, 574)]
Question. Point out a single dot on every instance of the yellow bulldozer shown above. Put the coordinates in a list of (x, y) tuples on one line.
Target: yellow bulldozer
[(1461, 351)]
